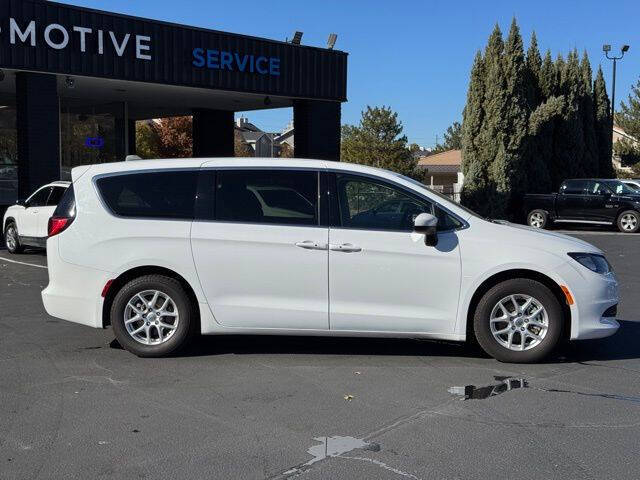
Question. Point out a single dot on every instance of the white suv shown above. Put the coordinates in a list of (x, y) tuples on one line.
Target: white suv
[(163, 249), (26, 223)]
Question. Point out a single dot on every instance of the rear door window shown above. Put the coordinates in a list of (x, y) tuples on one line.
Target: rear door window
[(168, 194), (574, 187), (287, 197)]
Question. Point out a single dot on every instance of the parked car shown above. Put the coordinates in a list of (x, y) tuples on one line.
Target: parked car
[(587, 201), (633, 183), (25, 223), (161, 249)]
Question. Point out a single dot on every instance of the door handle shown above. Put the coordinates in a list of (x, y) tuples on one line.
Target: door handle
[(344, 247), (309, 245)]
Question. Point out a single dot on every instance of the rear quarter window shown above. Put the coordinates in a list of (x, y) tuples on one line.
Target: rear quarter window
[(167, 194)]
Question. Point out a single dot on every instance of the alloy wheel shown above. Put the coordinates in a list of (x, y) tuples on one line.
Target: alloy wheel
[(11, 238), (536, 220), (519, 322), (151, 317), (629, 222)]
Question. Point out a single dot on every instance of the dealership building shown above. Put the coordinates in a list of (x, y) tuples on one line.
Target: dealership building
[(74, 82)]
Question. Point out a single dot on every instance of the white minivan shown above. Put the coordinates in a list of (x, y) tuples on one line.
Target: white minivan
[(162, 249)]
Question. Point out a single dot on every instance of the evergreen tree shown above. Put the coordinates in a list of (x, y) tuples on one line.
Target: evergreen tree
[(559, 67), (511, 164), (548, 81), (602, 116), (475, 172), (378, 141), (590, 157), (479, 191), (534, 73), (542, 128), (569, 135)]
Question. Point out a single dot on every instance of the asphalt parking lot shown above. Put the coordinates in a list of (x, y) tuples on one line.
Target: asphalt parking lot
[(74, 405)]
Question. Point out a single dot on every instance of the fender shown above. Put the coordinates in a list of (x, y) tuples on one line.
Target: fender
[(470, 286)]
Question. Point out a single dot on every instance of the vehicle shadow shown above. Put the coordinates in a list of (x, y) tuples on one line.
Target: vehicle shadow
[(40, 252), (299, 345), (623, 345)]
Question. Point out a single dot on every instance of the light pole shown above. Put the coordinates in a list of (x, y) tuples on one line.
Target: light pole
[(606, 49)]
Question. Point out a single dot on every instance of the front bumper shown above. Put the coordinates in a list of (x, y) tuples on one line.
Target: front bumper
[(593, 295)]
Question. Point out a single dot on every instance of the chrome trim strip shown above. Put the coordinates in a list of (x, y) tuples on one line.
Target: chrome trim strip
[(594, 222)]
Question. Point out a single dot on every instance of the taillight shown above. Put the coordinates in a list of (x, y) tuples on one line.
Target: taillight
[(58, 224)]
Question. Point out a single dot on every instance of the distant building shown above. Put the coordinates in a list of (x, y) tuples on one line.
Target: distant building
[(443, 173), (264, 144), (420, 152), (287, 136)]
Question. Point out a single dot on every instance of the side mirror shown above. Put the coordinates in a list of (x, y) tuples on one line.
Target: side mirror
[(21, 202), (427, 224)]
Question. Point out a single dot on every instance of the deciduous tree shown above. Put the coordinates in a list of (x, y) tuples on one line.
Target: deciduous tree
[(628, 118)]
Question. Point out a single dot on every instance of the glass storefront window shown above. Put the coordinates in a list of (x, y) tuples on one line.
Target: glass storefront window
[(8, 151), (90, 134)]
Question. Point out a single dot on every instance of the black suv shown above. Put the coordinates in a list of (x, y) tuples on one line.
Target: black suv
[(587, 200)]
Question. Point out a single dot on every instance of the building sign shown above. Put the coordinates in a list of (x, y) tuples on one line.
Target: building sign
[(234, 61), (94, 142), (57, 36)]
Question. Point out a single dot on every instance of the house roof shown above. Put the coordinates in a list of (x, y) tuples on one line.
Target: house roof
[(448, 158), (251, 136)]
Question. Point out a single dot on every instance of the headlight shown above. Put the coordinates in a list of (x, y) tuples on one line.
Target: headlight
[(594, 262)]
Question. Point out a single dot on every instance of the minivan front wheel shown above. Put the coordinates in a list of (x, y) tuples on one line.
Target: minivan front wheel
[(518, 321), (152, 316)]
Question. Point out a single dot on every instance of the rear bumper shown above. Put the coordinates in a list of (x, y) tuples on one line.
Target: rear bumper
[(73, 293)]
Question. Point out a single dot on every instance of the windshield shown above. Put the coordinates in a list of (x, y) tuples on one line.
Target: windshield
[(620, 188), (440, 195)]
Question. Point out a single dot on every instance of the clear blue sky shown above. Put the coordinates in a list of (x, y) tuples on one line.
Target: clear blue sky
[(412, 55)]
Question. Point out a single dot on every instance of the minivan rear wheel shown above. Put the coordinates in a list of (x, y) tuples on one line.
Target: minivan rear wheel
[(519, 321), (152, 316)]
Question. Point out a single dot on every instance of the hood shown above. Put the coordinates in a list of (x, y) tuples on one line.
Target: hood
[(543, 239)]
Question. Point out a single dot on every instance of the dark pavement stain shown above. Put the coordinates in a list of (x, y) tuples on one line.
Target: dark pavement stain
[(471, 392), (506, 384)]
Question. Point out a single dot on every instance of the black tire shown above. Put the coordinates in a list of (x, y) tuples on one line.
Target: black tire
[(538, 219), (186, 323), (624, 219), (518, 286), (12, 246)]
